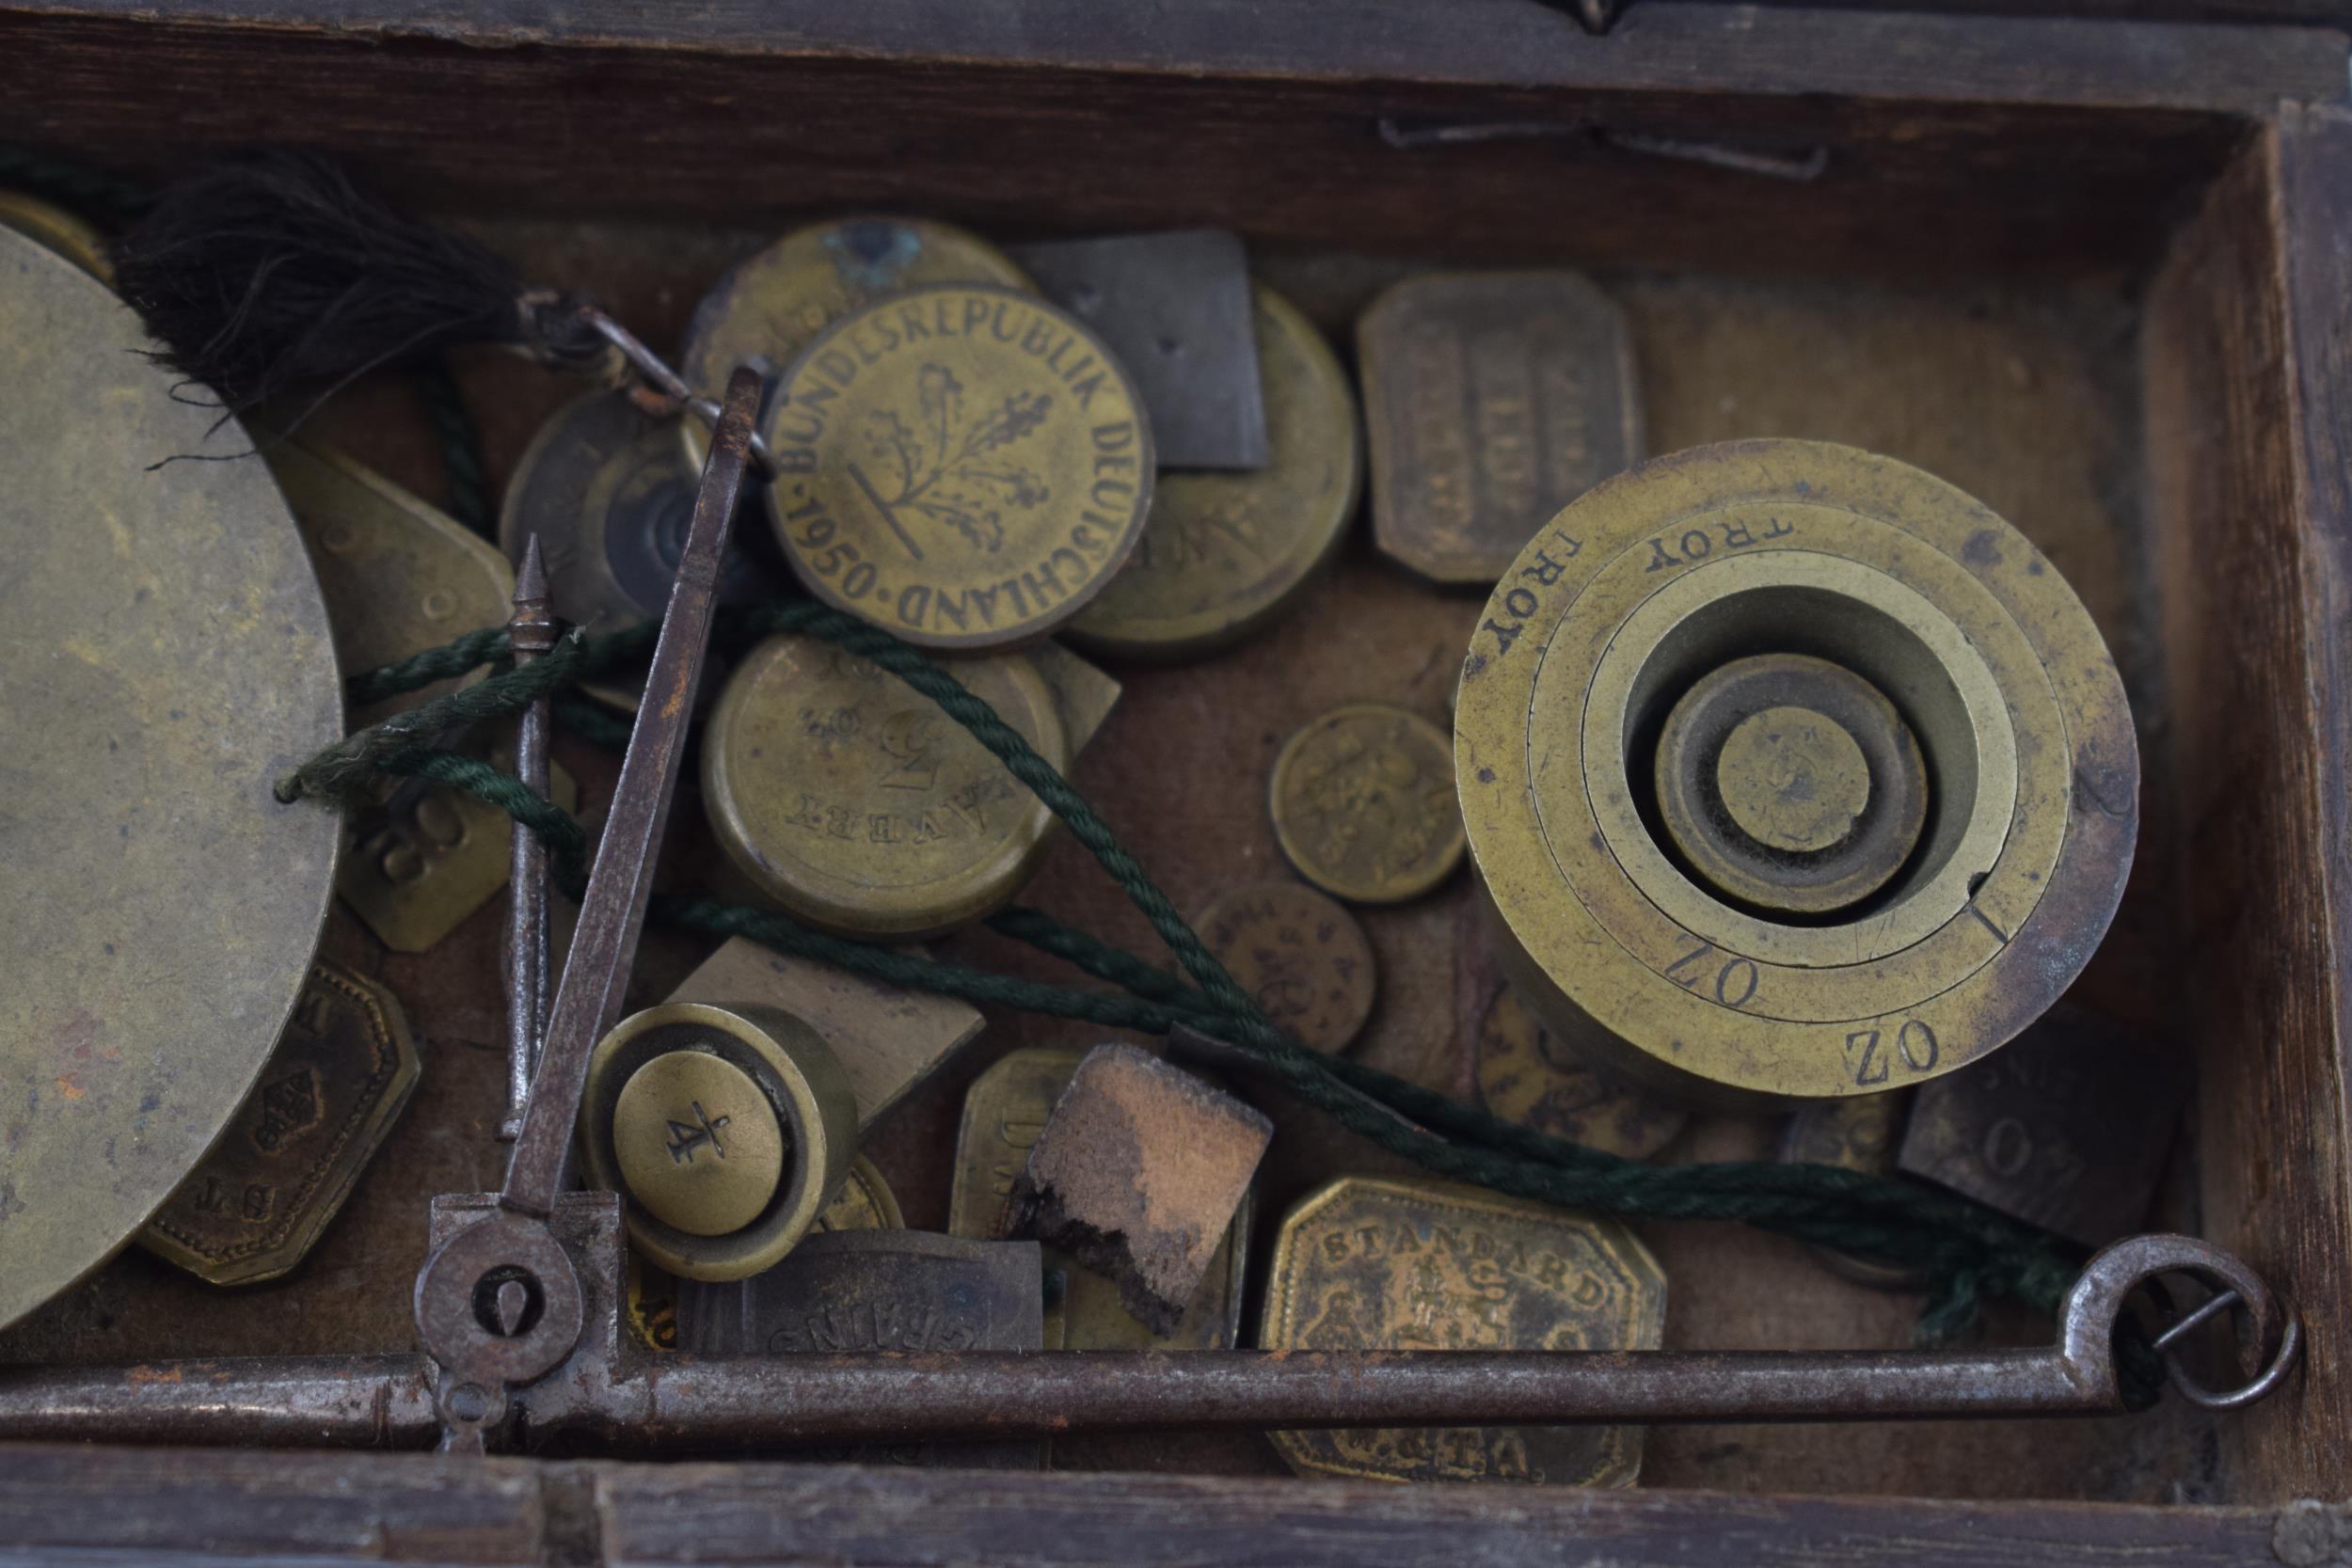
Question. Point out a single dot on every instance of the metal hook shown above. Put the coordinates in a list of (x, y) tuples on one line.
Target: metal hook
[(671, 385)]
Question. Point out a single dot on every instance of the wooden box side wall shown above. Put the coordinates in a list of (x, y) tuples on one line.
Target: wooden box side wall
[(2243, 350)]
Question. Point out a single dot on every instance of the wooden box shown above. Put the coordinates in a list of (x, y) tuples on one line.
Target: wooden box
[(2096, 271)]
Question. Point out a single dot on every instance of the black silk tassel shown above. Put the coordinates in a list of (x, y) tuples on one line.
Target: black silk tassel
[(270, 274)]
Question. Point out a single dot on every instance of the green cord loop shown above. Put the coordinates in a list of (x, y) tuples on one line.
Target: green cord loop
[(1972, 1252)]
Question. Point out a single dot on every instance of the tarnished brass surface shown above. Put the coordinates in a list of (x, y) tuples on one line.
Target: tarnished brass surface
[(1528, 1074), (2068, 1128), (963, 466), (772, 304), (887, 1039), (1859, 1134), (1084, 695), (1660, 577), (1368, 1263), (1493, 400), (1003, 1112), (610, 493), (1223, 554), (49, 225), (788, 1075), (853, 802), (417, 866), (1301, 956), (1363, 804), (865, 1202), (341, 1074), (700, 1149), (165, 657), (400, 576)]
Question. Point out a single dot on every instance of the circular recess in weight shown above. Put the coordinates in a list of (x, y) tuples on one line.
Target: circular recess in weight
[(1363, 804), (854, 802), (607, 492), (1223, 554), (962, 466), (659, 1127), (770, 303), (1656, 740)]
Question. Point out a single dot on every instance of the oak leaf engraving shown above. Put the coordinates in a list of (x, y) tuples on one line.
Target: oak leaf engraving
[(951, 471)]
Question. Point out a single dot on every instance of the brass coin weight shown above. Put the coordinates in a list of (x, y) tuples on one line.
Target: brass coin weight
[(1225, 553), (1371, 1263), (726, 1130), (771, 304), (1300, 956), (963, 466), (1791, 773), (853, 801), (1363, 804), (341, 1074), (1527, 1074), (167, 658)]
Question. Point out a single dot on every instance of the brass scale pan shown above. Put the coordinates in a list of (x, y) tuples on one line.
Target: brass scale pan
[(164, 656)]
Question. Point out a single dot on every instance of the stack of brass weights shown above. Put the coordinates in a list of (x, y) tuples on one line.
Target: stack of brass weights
[(1791, 779)]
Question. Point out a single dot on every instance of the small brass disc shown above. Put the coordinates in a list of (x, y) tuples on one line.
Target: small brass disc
[(790, 1114), (1223, 554), (1363, 804), (1656, 739), (1790, 783), (1300, 956), (851, 800), (963, 466), (1528, 1074), (165, 657), (53, 226), (770, 305), (699, 1145)]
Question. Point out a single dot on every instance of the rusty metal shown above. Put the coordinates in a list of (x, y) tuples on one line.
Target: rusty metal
[(1136, 1175), (530, 632), (481, 1347), (613, 912), (640, 1402)]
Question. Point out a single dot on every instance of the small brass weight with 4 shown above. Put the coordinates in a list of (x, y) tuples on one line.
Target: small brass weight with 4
[(1791, 773)]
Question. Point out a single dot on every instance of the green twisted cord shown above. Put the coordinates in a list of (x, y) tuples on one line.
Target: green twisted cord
[(1975, 1250)]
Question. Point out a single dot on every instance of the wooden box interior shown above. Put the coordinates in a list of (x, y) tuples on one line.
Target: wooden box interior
[(2093, 273)]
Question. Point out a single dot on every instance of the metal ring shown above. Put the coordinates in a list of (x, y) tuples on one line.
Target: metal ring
[(2264, 1382), (671, 385)]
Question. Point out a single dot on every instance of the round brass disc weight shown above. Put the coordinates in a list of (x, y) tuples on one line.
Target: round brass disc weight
[(1791, 773), (164, 656), (726, 1130)]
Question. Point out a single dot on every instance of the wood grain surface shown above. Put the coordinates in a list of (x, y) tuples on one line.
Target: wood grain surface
[(164, 1508), (1950, 144)]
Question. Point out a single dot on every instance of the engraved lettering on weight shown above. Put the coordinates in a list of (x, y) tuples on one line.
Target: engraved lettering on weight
[(1442, 459), (1502, 414), (703, 1131)]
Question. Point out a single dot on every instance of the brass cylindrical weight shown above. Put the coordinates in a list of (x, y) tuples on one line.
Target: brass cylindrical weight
[(1791, 773), (726, 1130)]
